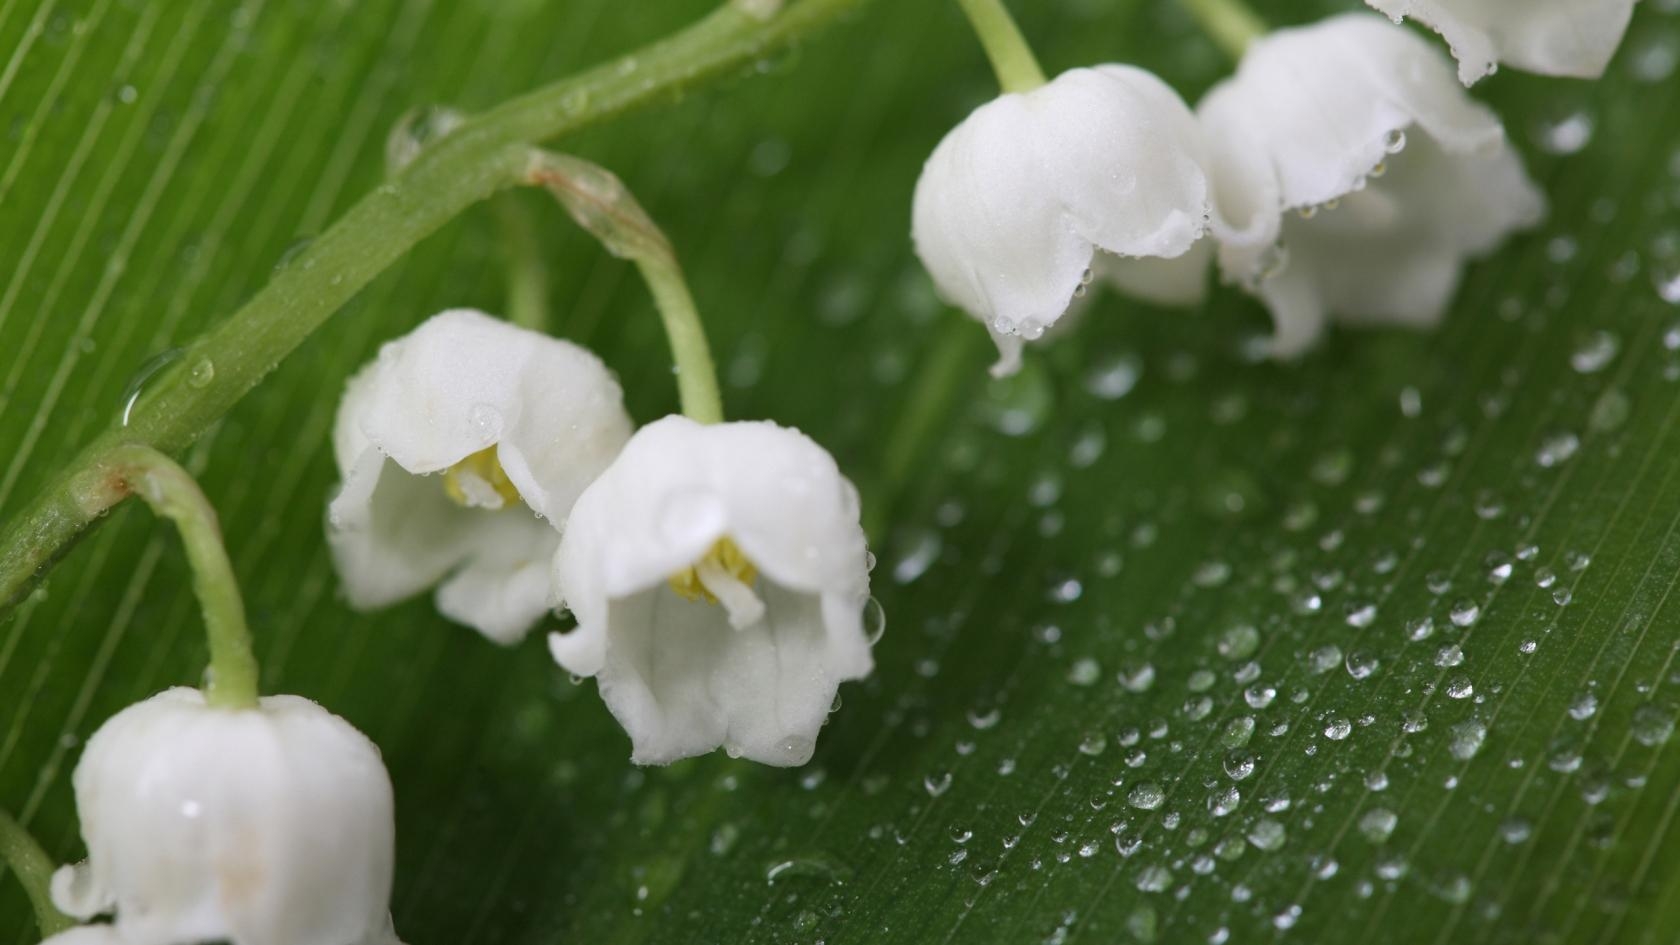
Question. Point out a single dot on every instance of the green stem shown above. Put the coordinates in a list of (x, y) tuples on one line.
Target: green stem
[(173, 494), (1229, 23), (485, 154), (696, 374), (1012, 59), (600, 203), (34, 869), (527, 275)]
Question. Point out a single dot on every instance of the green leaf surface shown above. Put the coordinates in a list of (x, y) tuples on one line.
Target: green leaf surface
[(1377, 647)]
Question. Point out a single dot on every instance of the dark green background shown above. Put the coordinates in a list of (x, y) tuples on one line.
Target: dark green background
[(157, 160)]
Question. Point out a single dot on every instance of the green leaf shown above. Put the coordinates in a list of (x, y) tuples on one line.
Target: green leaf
[(1378, 647)]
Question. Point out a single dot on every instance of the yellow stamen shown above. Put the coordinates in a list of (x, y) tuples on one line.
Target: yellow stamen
[(728, 557), (484, 467)]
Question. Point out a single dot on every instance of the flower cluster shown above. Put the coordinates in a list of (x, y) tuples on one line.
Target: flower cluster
[(717, 571), (1342, 174)]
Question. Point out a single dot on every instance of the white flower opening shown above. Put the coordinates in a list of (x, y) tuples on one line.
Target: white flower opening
[(1354, 178), (264, 826), (516, 422), (718, 576), (1016, 201), (1552, 37)]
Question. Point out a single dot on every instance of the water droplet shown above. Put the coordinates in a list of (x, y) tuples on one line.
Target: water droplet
[(1114, 377), (1154, 878), (1221, 803), (1239, 642), (1652, 725), (937, 783), (418, 129), (1338, 729), (1136, 676), (983, 720), (1361, 663), (292, 252), (1460, 687), (1146, 796), (919, 552), (874, 620), (1378, 824), (1084, 671), (1565, 134), (1595, 353), (1239, 764), (1267, 834), (1324, 659), (1467, 738), (1464, 612), (1556, 449), (1238, 731), (136, 385)]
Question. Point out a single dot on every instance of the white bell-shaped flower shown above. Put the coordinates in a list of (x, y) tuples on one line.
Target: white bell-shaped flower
[(1354, 177), (517, 424), (263, 826), (1552, 37), (718, 576), (1015, 202)]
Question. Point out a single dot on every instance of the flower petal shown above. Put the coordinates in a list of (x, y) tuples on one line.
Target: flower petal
[(1397, 175), (503, 588), (464, 381), (683, 681), (459, 384), (679, 674), (393, 534), (1013, 203), (1552, 37), (268, 826), (1320, 106)]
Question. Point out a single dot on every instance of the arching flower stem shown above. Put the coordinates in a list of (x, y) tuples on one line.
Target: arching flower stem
[(601, 204), (1012, 59), (33, 869), (1231, 24), (172, 493)]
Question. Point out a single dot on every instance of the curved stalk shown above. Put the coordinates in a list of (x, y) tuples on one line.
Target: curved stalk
[(697, 384), (600, 203), (33, 869), (173, 494), (485, 154), (1016, 67)]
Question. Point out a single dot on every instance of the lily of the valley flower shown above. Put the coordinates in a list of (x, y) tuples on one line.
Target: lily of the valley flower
[(1015, 202), (462, 448), (263, 826), (718, 576), (1551, 37), (1354, 177)]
